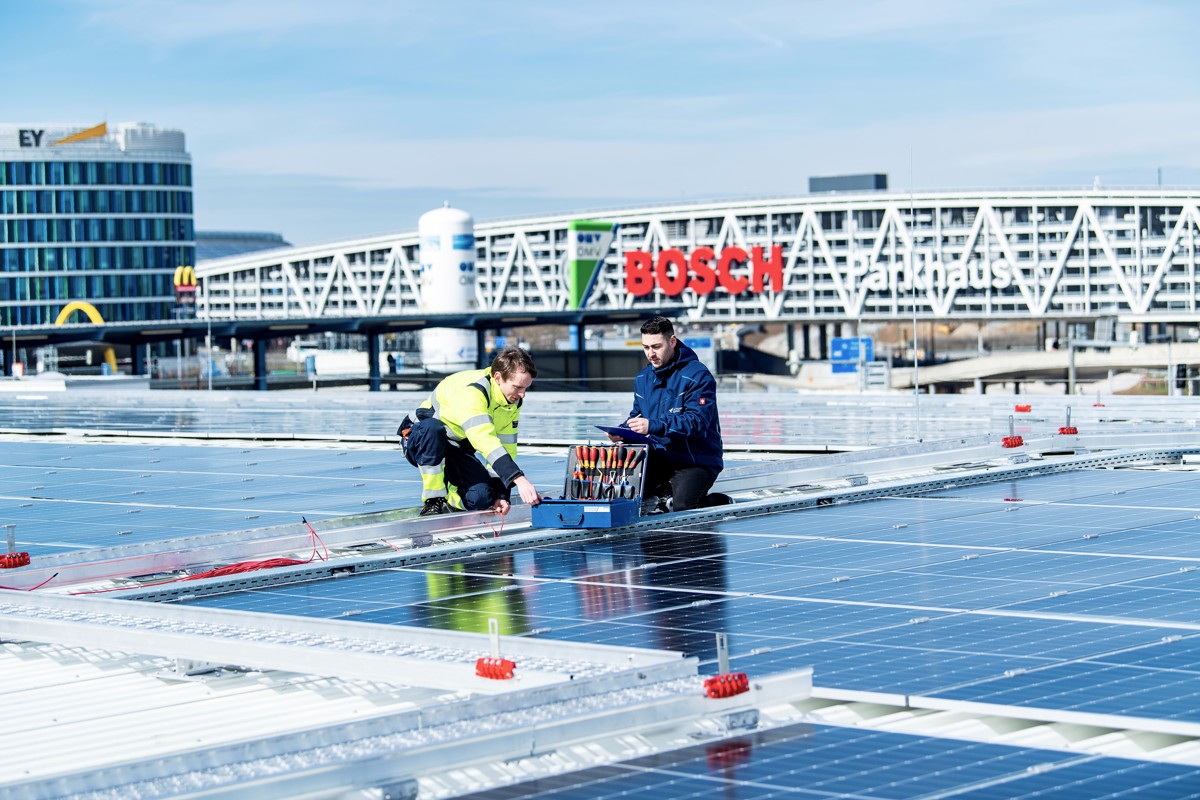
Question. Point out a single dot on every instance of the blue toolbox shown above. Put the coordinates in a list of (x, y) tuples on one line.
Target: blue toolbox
[(602, 489)]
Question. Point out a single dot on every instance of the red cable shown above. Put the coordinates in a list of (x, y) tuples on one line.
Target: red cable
[(31, 588), (245, 566), (236, 568), (496, 533), (316, 539)]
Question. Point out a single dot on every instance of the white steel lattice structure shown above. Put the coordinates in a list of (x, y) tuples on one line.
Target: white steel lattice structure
[(1124, 254)]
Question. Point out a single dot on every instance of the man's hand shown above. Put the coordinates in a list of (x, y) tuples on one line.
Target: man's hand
[(639, 425), (501, 506), (527, 491), (612, 437)]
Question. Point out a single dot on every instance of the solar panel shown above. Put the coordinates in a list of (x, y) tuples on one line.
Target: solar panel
[(1095, 688), (815, 761), (66, 496)]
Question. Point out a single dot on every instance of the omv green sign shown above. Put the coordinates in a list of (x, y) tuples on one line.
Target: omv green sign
[(588, 243)]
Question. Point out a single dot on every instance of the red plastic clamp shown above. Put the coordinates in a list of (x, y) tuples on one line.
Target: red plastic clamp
[(1023, 407), (1012, 441), (1068, 430), (498, 669), (13, 560), (727, 685)]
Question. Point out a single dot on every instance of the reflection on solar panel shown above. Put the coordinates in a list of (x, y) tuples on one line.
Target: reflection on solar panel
[(1055, 615)]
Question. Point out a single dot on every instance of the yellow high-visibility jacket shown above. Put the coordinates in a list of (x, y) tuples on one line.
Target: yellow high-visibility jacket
[(478, 417)]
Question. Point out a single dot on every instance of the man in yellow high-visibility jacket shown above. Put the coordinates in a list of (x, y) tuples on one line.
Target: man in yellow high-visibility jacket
[(472, 413)]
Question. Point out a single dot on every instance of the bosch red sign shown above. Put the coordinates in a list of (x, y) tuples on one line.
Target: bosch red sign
[(703, 271)]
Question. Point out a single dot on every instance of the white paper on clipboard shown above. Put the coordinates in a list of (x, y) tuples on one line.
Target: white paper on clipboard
[(628, 434)]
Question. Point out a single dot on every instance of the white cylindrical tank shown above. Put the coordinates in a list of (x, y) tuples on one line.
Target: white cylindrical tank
[(447, 250)]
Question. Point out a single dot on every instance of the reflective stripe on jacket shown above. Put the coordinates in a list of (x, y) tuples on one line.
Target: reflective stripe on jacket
[(478, 417)]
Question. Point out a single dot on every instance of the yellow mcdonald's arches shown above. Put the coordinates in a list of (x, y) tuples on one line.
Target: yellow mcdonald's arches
[(90, 133), (79, 305), (110, 356), (185, 276)]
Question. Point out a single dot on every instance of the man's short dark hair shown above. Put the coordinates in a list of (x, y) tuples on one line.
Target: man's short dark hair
[(512, 360), (659, 325)]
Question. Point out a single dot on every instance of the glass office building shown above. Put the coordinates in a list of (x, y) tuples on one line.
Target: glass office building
[(99, 214)]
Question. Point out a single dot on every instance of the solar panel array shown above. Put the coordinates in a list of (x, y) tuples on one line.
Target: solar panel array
[(71, 496), (822, 762), (1071, 593), (749, 419)]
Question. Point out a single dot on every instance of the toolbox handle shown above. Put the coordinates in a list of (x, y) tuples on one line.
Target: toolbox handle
[(569, 522)]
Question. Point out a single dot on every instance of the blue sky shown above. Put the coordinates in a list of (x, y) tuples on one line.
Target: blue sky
[(338, 119)]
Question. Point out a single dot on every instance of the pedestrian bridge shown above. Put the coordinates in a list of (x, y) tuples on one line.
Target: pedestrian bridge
[(1123, 255)]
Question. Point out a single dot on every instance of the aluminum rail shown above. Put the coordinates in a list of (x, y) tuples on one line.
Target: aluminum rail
[(403, 528), (385, 653), (391, 752), (947, 454)]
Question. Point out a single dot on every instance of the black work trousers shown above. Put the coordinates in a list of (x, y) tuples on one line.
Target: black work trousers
[(687, 485)]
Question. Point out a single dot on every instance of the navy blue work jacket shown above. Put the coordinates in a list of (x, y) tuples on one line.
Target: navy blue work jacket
[(680, 400)]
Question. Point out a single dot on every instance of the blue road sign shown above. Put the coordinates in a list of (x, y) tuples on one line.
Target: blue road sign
[(846, 352)]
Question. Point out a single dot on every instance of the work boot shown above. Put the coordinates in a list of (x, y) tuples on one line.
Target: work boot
[(717, 499), (657, 505), (436, 505)]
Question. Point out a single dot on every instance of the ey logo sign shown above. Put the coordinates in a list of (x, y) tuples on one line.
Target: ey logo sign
[(30, 137)]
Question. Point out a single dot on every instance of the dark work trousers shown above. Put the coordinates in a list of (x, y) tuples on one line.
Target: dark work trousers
[(687, 485), (428, 446)]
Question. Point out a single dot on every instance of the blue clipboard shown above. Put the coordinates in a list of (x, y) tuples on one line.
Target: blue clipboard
[(628, 434)]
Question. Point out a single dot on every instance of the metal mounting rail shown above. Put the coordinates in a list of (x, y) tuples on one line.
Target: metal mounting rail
[(392, 752), (403, 528), (386, 653)]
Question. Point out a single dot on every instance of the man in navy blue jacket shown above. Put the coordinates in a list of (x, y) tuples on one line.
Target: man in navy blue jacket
[(675, 403)]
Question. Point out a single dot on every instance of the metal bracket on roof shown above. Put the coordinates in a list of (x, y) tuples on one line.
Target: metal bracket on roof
[(190, 669), (741, 720)]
